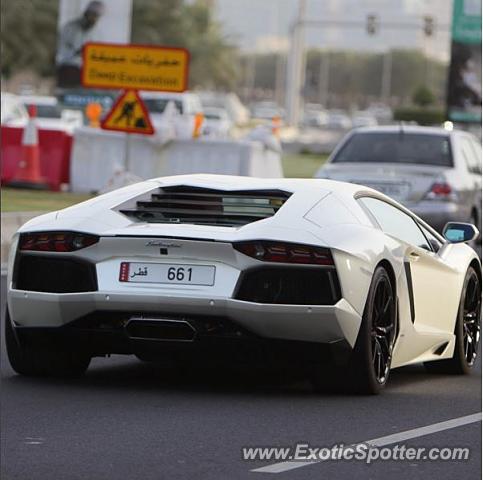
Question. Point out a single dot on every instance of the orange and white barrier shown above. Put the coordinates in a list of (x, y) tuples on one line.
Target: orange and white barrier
[(28, 174)]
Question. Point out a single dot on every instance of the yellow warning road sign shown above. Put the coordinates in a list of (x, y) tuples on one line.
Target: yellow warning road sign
[(128, 114), (136, 67)]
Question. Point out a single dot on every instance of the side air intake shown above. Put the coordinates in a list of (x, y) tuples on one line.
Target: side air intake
[(203, 206)]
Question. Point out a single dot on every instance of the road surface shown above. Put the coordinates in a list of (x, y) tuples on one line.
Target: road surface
[(129, 420)]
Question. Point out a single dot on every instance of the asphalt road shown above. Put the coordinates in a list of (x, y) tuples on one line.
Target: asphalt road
[(128, 420)]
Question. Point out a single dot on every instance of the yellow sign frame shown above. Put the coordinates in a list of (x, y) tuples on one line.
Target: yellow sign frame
[(134, 67)]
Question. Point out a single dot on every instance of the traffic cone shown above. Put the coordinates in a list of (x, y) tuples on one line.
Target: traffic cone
[(27, 174), (94, 113), (276, 124), (199, 117)]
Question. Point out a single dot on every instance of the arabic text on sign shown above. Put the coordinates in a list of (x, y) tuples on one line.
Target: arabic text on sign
[(134, 67)]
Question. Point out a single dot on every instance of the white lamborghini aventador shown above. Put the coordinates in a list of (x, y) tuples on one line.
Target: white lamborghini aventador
[(332, 277)]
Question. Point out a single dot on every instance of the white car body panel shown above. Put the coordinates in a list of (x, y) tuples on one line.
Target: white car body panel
[(320, 213)]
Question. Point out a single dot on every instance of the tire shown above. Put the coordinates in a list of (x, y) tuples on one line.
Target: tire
[(467, 330), (32, 361), (367, 371)]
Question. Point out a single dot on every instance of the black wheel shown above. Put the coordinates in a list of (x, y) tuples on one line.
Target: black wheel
[(31, 361), (368, 369), (467, 330)]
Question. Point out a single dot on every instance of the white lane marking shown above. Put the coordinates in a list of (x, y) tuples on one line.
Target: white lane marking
[(421, 431), (283, 467), (382, 441), (34, 440)]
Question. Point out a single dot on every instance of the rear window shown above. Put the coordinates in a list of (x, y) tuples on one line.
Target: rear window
[(157, 105), (48, 111), (396, 148), (212, 116)]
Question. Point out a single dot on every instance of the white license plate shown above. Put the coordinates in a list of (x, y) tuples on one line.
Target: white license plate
[(170, 273)]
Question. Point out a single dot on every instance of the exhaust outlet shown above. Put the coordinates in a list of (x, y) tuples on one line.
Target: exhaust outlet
[(160, 329)]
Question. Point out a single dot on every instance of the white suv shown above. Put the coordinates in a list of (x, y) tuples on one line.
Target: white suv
[(187, 106)]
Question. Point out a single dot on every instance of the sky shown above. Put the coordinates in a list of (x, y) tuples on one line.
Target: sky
[(264, 24)]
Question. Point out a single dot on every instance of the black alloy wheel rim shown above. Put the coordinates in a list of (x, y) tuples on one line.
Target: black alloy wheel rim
[(471, 319), (383, 329)]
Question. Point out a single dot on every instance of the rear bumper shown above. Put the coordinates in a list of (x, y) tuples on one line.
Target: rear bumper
[(210, 350), (321, 324)]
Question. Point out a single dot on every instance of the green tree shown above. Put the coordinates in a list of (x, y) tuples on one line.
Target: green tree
[(423, 96), (354, 77), (28, 36), (188, 25)]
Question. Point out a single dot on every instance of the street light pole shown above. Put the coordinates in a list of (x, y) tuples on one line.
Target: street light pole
[(386, 76), (279, 78), (324, 78), (296, 66), (280, 63)]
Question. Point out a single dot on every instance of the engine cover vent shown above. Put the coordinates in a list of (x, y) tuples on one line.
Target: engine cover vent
[(203, 206)]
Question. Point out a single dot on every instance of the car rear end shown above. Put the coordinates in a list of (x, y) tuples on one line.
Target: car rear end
[(415, 166), (190, 275)]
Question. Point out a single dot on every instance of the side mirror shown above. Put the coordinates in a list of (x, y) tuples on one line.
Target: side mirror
[(456, 232)]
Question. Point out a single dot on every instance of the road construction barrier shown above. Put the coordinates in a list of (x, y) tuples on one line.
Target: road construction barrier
[(97, 155), (54, 155), (27, 174)]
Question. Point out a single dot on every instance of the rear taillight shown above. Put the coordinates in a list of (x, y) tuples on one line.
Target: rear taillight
[(280, 252), (440, 190), (55, 241)]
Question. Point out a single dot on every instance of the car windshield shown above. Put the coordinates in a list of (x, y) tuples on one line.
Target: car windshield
[(396, 148), (157, 105), (48, 111), (212, 116)]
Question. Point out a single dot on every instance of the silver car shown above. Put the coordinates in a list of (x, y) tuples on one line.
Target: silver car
[(434, 172)]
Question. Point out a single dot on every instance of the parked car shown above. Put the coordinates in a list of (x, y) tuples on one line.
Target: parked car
[(216, 122), (13, 111), (46, 106), (338, 120), (187, 105), (434, 172), (363, 119), (333, 278), (238, 114), (315, 118), (267, 110), (50, 114), (381, 112)]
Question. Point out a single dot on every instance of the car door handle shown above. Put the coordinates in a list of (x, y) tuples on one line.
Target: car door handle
[(413, 257)]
